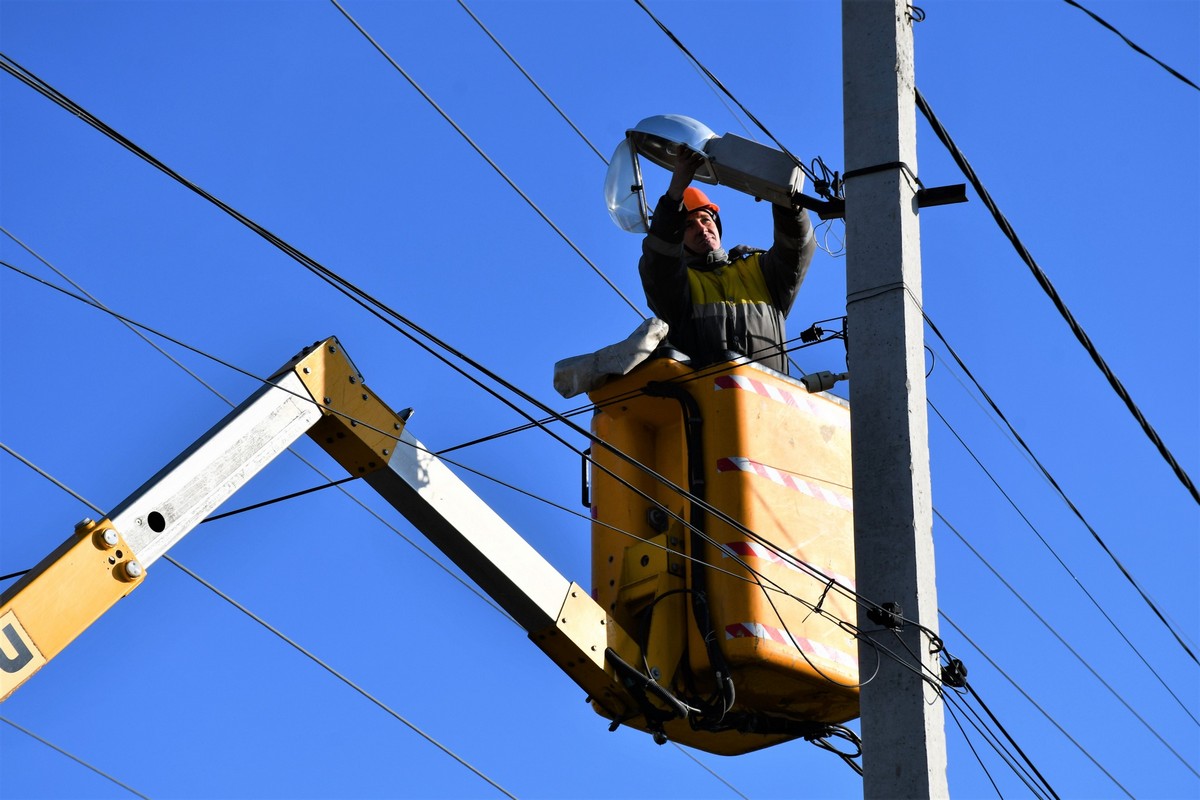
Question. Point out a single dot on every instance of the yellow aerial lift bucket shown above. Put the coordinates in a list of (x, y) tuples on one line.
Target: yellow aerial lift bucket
[(722, 541)]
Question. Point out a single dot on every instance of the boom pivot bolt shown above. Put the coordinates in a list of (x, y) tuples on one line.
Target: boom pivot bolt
[(129, 571)]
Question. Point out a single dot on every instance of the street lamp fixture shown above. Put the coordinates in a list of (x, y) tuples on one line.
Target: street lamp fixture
[(757, 170)]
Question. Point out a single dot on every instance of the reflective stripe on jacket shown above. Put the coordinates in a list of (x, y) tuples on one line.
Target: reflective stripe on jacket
[(732, 311)]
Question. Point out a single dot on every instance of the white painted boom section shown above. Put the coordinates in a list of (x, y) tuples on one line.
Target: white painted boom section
[(183, 493), (471, 534)]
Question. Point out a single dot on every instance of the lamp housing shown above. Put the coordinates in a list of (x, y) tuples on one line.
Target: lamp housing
[(730, 160)]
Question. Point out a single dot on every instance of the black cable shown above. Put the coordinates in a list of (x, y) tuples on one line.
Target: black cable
[(1046, 474), (486, 158), (391, 317), (140, 327), (840, 732), (1044, 281), (692, 425), (280, 499), (369, 303), (787, 557), (343, 678), (822, 185), (1034, 703), (994, 741), (1127, 41), (73, 757), (278, 633), (529, 77), (708, 373), (1029, 607), (1058, 558), (971, 745), (633, 462), (1011, 740)]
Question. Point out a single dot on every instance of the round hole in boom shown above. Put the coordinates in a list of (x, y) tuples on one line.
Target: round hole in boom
[(157, 522)]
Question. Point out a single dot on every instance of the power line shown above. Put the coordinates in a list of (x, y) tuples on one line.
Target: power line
[(529, 77), (486, 158), (1044, 281), (278, 633), (74, 758), (341, 284), (994, 739), (824, 184), (1029, 607), (1127, 41), (970, 744), (406, 327), (1034, 703), (710, 771), (138, 327), (335, 673), (1060, 561), (1074, 509), (280, 499), (1011, 741)]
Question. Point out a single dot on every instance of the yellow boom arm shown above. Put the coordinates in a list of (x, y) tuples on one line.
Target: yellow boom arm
[(319, 392)]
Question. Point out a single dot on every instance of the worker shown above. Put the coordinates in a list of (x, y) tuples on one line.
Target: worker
[(721, 304)]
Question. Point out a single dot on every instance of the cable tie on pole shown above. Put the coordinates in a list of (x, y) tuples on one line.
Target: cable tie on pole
[(875, 291), (824, 594), (855, 173)]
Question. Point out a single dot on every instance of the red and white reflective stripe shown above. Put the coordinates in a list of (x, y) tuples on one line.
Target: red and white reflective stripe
[(756, 630), (755, 550), (767, 553), (810, 488), (829, 413)]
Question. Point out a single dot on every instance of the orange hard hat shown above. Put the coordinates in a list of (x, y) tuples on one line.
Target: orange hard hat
[(694, 200)]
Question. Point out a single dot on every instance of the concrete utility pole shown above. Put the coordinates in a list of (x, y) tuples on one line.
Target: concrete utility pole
[(904, 744)]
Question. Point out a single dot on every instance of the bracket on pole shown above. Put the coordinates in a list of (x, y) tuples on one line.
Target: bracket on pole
[(836, 207)]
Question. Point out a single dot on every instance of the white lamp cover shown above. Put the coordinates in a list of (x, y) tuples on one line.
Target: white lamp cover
[(623, 191)]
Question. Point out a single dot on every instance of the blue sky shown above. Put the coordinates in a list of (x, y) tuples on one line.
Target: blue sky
[(284, 111)]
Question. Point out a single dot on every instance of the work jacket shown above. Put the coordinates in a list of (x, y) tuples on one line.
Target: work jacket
[(725, 303)]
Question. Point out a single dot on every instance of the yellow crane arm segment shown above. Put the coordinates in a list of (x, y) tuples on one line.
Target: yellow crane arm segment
[(319, 392)]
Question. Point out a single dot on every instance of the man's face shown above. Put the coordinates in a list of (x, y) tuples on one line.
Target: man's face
[(700, 233)]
